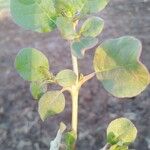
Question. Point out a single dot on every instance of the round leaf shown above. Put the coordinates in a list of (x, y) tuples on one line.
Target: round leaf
[(123, 130), (30, 63), (80, 46), (37, 15), (66, 78), (37, 89), (92, 27), (117, 65), (51, 103)]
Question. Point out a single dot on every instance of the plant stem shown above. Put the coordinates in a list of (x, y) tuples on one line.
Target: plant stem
[(75, 66), (86, 78), (75, 110), (74, 94)]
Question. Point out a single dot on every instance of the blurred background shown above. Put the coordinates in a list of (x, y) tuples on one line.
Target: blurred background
[(20, 125)]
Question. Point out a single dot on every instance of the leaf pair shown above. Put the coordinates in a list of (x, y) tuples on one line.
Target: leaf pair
[(91, 28), (32, 65), (46, 15), (120, 133), (116, 63), (41, 15), (53, 102)]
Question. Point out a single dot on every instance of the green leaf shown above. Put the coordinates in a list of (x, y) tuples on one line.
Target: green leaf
[(70, 139), (124, 131), (80, 46), (117, 65), (65, 25), (56, 143), (66, 78), (93, 6), (30, 64), (51, 103), (92, 27), (112, 139), (116, 147), (36, 15), (37, 89)]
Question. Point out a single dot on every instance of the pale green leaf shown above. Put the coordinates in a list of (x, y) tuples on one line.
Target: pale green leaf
[(94, 6), (80, 46), (117, 65), (66, 78), (36, 15), (51, 103), (37, 89), (56, 143), (92, 27), (124, 131), (65, 25), (70, 140), (30, 64)]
